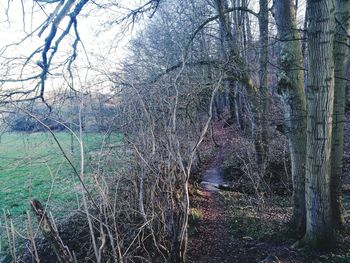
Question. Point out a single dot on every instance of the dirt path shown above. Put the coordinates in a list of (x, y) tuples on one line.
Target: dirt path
[(233, 226), (213, 177), (211, 241)]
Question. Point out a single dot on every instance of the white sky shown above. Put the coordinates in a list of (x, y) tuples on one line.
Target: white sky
[(104, 45)]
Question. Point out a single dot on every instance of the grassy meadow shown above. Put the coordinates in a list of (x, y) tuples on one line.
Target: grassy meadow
[(33, 166)]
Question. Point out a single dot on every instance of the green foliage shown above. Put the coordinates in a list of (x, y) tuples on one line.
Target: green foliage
[(194, 217)]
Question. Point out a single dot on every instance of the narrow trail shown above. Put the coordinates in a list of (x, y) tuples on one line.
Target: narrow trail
[(213, 176), (211, 242), (234, 226)]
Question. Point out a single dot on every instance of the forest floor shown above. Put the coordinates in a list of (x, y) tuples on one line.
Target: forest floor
[(241, 222)]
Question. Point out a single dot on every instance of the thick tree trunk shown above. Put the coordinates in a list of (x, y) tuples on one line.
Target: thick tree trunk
[(342, 12), (264, 90), (291, 90), (320, 92)]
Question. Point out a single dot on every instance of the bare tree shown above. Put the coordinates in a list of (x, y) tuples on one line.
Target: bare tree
[(291, 90), (263, 75)]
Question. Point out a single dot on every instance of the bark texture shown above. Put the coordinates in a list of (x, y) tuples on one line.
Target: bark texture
[(243, 76), (291, 90), (264, 89), (320, 92), (341, 51)]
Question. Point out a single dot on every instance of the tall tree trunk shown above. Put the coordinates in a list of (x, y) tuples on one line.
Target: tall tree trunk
[(264, 90), (320, 92), (230, 91), (341, 51), (244, 77), (291, 90)]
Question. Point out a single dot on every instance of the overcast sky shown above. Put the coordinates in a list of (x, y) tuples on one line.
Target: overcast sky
[(104, 43)]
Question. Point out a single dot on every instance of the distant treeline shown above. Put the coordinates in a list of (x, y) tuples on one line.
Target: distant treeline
[(35, 117), (24, 123)]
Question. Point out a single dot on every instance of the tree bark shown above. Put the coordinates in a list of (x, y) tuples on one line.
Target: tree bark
[(341, 51), (263, 76), (320, 92), (245, 78), (291, 90)]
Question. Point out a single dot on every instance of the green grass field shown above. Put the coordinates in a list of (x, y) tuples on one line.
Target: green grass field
[(32, 166)]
